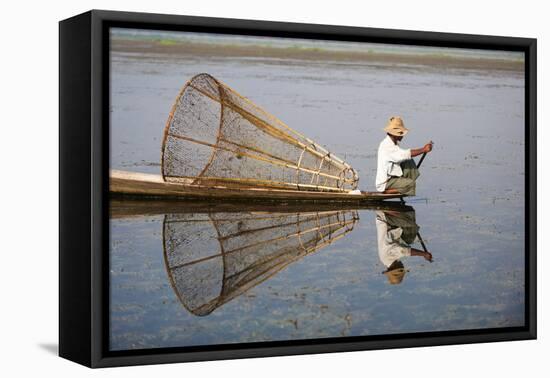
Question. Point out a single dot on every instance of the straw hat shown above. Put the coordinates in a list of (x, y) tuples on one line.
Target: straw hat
[(395, 273), (396, 127), (395, 276)]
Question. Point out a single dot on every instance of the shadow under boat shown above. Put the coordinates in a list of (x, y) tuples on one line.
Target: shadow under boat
[(124, 207)]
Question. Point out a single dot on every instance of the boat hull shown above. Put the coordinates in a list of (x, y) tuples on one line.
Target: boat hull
[(134, 184)]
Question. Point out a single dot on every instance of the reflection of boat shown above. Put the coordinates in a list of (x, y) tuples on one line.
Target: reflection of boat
[(216, 251), (212, 258)]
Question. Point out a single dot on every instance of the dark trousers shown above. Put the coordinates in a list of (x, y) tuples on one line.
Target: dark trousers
[(405, 184)]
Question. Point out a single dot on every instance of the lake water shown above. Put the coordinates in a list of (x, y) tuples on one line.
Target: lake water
[(173, 286)]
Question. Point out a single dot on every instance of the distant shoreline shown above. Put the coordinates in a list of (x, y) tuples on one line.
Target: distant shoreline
[(184, 48)]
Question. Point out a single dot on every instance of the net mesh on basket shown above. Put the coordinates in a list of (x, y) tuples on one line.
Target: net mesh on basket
[(213, 258), (216, 137)]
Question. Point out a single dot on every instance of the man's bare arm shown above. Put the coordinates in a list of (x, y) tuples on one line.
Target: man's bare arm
[(419, 151), (416, 252)]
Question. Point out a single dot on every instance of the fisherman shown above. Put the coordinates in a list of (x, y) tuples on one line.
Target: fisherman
[(397, 172), (396, 231)]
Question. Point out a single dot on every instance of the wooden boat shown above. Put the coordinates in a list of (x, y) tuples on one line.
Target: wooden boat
[(218, 145), (144, 185)]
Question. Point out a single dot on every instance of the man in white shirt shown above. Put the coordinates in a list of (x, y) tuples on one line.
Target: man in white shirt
[(396, 171), (396, 231)]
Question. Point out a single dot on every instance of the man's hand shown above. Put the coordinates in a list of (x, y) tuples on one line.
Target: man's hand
[(422, 150), (428, 147), (428, 256), (417, 252)]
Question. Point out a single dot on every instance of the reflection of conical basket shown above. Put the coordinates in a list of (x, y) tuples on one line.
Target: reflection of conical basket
[(214, 136), (213, 258)]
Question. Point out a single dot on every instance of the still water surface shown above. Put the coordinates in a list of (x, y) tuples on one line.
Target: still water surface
[(172, 282)]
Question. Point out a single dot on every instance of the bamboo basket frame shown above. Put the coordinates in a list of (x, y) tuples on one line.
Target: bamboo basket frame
[(346, 179), (261, 270)]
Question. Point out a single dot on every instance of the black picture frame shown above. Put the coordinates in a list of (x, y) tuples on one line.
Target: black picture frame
[(84, 192)]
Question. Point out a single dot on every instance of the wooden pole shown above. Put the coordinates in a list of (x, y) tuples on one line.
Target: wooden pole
[(422, 242), (421, 160)]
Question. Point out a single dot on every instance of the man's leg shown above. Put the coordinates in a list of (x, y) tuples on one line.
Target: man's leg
[(409, 169), (406, 220), (403, 185)]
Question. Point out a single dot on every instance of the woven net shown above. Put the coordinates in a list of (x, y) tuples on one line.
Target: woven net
[(213, 258), (216, 137)]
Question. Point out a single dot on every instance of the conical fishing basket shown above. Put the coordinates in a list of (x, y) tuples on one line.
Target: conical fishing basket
[(216, 137), (213, 258)]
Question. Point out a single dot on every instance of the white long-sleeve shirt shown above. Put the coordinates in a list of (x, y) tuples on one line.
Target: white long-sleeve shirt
[(390, 155), (390, 245)]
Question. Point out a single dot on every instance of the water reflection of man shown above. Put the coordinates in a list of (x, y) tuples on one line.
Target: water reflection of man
[(396, 231), (396, 170)]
